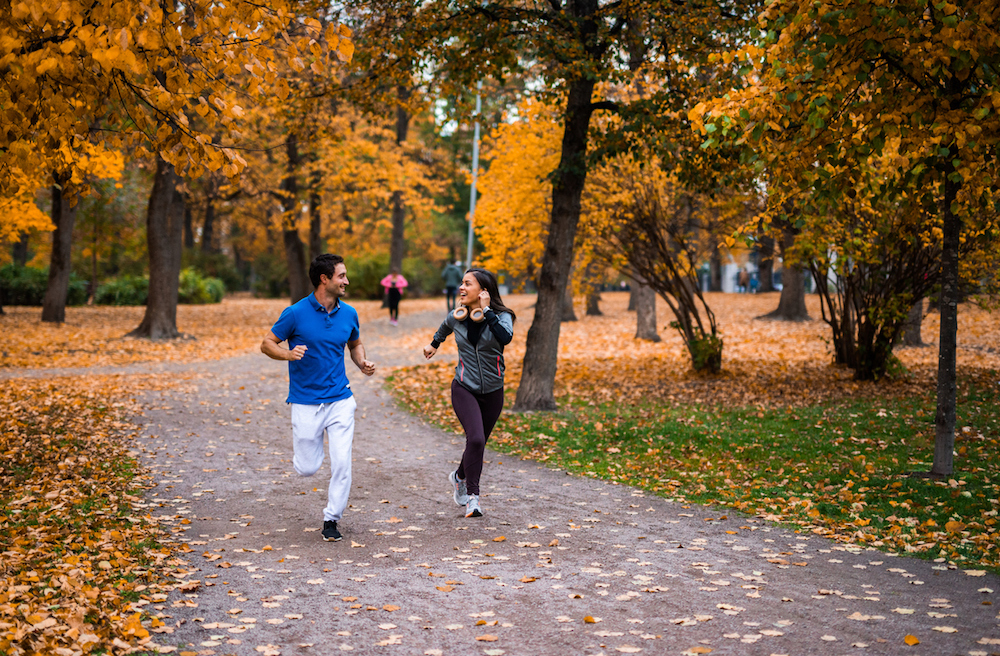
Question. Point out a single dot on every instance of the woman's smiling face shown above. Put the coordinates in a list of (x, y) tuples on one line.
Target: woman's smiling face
[(468, 291)]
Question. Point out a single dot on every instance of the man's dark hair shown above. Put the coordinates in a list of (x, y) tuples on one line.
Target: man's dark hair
[(323, 265)]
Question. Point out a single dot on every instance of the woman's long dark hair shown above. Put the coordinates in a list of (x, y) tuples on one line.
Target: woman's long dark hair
[(488, 281)]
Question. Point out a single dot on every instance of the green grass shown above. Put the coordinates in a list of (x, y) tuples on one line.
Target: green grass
[(845, 470)]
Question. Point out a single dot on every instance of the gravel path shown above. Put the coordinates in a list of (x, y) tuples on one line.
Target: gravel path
[(558, 565)]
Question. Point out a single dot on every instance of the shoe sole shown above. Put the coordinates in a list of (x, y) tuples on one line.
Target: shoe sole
[(475, 513), (326, 539)]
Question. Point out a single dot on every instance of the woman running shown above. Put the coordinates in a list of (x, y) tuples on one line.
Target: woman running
[(394, 284), (483, 325)]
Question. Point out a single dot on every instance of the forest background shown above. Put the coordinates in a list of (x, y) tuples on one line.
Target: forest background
[(166, 154)]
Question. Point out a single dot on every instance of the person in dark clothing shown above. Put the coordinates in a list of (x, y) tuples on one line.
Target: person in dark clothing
[(452, 276), (483, 325)]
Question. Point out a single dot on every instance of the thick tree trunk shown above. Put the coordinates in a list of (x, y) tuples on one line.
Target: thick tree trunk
[(632, 298), (164, 239), (295, 252), (594, 303), (792, 304), (645, 313), (715, 270), (911, 329), (397, 246), (944, 421), (541, 351), (19, 252), (765, 271), (60, 264)]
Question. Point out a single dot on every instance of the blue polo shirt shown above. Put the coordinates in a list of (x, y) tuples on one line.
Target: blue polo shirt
[(319, 377)]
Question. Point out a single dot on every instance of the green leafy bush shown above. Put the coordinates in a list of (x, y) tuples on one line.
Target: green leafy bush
[(198, 290), (126, 290), (365, 273), (214, 265), (21, 285), (269, 276)]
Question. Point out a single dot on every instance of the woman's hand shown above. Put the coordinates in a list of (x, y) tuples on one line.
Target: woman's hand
[(429, 351), (484, 299)]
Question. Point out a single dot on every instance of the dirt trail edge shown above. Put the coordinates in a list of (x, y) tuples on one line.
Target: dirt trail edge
[(558, 565)]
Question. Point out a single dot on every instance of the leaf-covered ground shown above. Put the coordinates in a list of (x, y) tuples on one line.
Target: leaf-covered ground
[(780, 433), (80, 552)]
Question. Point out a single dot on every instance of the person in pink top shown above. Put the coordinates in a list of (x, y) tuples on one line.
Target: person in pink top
[(394, 284)]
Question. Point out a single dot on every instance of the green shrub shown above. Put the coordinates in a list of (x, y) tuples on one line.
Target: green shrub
[(21, 285), (198, 290), (424, 277), (269, 276), (214, 265), (126, 290), (365, 273)]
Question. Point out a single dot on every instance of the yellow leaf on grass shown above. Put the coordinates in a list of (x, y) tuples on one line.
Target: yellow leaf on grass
[(445, 588), (499, 538), (911, 640), (527, 579), (487, 638)]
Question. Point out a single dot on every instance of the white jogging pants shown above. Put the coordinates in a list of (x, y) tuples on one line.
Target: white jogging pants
[(308, 424)]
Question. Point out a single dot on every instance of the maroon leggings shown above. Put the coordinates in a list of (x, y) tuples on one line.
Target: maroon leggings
[(478, 414)]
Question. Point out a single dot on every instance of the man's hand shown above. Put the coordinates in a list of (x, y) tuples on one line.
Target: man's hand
[(429, 351), (298, 352), (367, 367)]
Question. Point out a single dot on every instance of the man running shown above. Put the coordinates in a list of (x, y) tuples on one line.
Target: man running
[(317, 329)]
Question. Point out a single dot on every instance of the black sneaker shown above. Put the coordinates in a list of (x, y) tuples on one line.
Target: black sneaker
[(330, 532)]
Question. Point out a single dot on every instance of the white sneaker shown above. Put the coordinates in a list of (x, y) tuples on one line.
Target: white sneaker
[(458, 485), (472, 507)]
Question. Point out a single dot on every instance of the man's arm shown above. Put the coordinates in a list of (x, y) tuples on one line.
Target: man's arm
[(358, 355), (272, 349)]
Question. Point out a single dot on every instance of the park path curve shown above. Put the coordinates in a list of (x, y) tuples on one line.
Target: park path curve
[(413, 576)]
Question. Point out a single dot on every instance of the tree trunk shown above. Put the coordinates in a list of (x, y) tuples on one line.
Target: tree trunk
[(632, 298), (792, 304), (765, 271), (911, 329), (542, 349), (19, 252), (188, 225), (594, 302), (60, 265), (398, 244), (715, 270), (645, 313), (315, 222), (944, 421), (208, 228), (295, 255), (568, 311), (165, 242)]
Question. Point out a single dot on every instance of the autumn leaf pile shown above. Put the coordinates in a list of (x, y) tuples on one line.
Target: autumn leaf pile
[(781, 433), (80, 555)]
